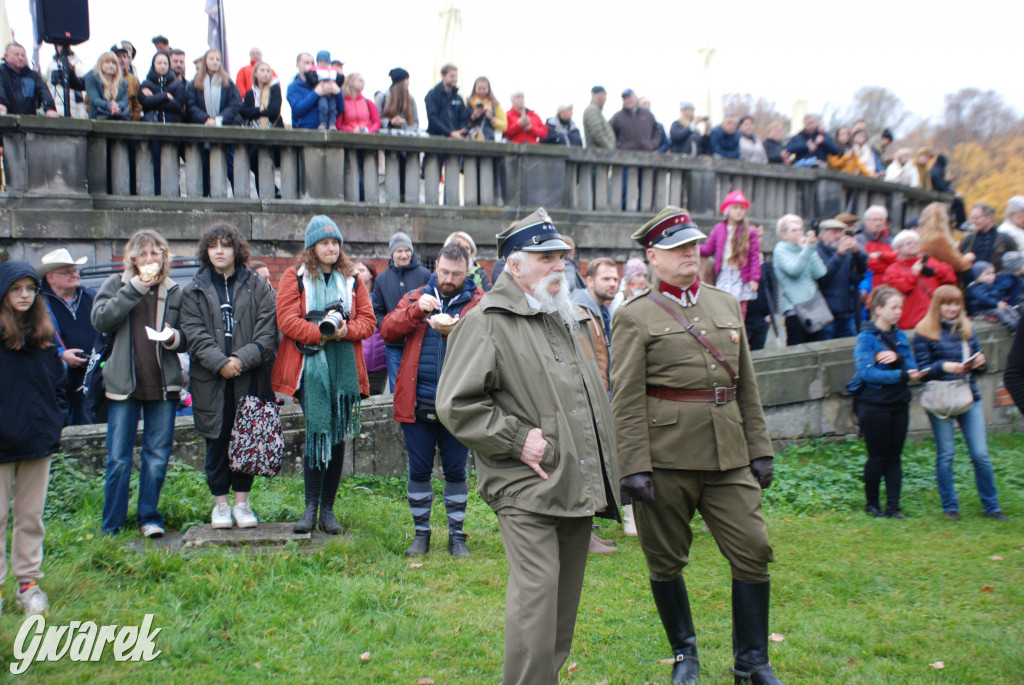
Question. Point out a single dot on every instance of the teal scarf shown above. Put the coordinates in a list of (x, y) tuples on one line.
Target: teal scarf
[(331, 380)]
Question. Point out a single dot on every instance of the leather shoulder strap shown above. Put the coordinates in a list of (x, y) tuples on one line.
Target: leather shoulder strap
[(659, 299)]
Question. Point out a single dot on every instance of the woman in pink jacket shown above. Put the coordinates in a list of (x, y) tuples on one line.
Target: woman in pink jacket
[(736, 249), (360, 115)]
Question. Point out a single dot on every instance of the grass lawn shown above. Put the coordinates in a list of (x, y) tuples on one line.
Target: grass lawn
[(855, 600)]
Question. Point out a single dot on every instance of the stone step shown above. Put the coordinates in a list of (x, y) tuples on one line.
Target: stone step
[(272, 535)]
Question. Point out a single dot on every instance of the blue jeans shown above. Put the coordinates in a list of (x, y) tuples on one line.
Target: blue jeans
[(394, 358), (157, 440), (844, 326), (422, 441), (972, 423)]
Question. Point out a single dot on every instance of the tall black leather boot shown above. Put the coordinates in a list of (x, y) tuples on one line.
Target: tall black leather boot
[(750, 633), (308, 520), (674, 608)]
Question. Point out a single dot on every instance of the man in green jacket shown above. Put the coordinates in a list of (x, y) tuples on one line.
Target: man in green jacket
[(596, 129), (692, 436), (521, 388)]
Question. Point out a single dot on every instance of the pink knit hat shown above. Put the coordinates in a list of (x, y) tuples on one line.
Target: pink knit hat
[(634, 267), (734, 198)]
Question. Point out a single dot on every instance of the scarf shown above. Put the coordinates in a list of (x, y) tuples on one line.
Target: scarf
[(330, 377), (211, 95)]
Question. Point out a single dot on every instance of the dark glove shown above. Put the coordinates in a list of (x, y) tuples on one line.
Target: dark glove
[(639, 486), (763, 469)]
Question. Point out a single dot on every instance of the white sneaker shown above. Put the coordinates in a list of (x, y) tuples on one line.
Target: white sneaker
[(152, 530), (221, 516), (33, 600), (628, 524), (244, 518)]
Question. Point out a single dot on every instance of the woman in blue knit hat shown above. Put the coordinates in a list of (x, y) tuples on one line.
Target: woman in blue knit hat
[(323, 370)]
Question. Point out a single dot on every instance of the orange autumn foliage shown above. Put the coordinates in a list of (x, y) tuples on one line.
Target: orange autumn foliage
[(990, 170)]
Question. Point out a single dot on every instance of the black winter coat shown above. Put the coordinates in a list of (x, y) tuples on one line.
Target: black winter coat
[(251, 110), (230, 105), (32, 406), (158, 107), (392, 284)]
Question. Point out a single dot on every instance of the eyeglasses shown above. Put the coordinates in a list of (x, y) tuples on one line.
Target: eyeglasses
[(27, 290), (65, 272)]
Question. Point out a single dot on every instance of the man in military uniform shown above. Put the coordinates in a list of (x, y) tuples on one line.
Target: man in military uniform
[(691, 435), (521, 387)]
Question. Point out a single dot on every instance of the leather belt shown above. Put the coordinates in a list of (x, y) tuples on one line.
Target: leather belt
[(716, 396)]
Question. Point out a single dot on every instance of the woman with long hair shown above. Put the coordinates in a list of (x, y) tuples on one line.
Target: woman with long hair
[(736, 249), (213, 94), (228, 317), (360, 115), (396, 105), (885, 365), (142, 377), (107, 89), (946, 347), (261, 107), (324, 370), (32, 374), (487, 118)]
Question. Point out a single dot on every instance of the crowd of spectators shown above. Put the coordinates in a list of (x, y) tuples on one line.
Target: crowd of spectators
[(322, 97)]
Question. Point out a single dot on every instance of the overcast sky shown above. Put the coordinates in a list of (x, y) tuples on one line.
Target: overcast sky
[(555, 51)]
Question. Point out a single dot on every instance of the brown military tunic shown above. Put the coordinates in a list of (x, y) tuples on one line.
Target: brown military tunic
[(698, 451)]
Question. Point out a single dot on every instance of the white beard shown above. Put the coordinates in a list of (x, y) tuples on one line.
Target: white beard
[(557, 303)]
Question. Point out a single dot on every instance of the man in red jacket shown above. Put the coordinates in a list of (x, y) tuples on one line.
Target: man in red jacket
[(424, 318), (524, 125)]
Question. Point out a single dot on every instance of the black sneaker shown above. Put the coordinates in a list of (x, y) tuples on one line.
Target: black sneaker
[(894, 514), (998, 515), (873, 510), (952, 515)]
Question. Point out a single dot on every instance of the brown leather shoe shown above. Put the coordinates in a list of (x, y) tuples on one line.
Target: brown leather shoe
[(598, 547)]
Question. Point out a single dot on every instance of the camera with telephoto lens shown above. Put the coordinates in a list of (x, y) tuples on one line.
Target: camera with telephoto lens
[(333, 319)]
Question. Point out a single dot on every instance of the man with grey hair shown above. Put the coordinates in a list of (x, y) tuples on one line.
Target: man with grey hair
[(22, 90), (1013, 224), (986, 244), (521, 388), (562, 130), (811, 144), (874, 227)]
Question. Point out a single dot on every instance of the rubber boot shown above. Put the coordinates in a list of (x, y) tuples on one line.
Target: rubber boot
[(674, 608), (457, 545), (598, 547), (750, 633), (420, 544), (328, 523), (308, 520)]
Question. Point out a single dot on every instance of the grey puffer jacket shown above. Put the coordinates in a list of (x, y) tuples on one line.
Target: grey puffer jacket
[(254, 341), (111, 313)]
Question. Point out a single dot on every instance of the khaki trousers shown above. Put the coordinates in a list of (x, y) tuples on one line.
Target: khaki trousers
[(547, 556), (729, 501), (29, 480)]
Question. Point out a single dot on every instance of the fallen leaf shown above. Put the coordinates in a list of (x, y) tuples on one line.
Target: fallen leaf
[(987, 588), (365, 656), (851, 660), (938, 665), (603, 682), (257, 665), (776, 637), (425, 681), (572, 667), (458, 628), (995, 558), (946, 535), (789, 520), (416, 564)]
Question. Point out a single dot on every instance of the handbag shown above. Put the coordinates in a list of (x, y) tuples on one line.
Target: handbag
[(257, 438), (946, 399), (814, 313)]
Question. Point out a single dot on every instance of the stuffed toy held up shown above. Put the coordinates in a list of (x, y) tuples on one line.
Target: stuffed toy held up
[(937, 238)]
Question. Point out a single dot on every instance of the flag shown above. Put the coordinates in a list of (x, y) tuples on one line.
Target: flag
[(216, 36)]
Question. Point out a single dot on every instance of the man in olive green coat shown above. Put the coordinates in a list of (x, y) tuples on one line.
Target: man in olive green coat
[(521, 388), (692, 436)]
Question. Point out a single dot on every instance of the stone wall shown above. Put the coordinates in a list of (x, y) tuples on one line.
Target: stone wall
[(802, 390)]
